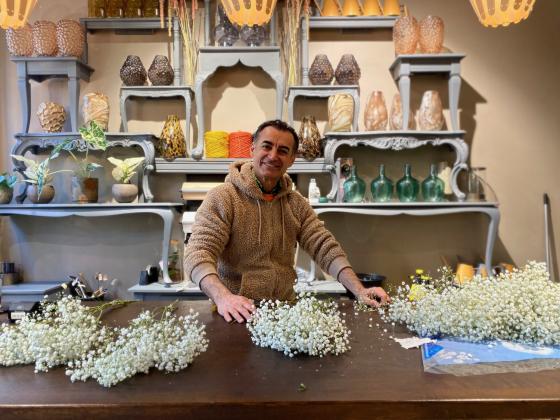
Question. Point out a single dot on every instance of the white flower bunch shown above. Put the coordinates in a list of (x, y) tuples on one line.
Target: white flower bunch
[(61, 331), (521, 306), (310, 326), (168, 343)]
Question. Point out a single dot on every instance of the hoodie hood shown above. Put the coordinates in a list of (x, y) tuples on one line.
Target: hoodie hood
[(241, 175)]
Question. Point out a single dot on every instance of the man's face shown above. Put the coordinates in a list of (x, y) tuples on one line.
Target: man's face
[(273, 153)]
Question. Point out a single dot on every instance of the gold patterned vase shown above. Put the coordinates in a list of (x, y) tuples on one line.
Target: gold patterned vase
[(51, 117), (431, 35), (396, 115), (321, 71), (133, 72), (171, 143), (405, 35), (341, 112), (20, 41), (160, 72), (70, 38), (95, 107), (44, 38), (347, 71), (430, 114), (309, 138), (375, 114)]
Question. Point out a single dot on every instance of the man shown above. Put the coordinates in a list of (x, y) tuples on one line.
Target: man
[(245, 232)]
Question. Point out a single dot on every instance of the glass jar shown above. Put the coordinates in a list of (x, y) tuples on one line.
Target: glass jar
[(407, 186), (433, 187), (354, 187), (115, 8), (97, 8), (476, 178), (150, 8), (382, 187), (133, 9)]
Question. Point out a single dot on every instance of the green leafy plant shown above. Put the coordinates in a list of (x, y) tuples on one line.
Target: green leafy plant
[(125, 169), (7, 180), (94, 138), (37, 173)]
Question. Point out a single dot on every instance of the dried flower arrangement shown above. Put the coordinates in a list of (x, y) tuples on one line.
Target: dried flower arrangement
[(292, 14)]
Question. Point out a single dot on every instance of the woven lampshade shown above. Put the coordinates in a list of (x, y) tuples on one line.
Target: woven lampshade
[(14, 13), (496, 13), (249, 12)]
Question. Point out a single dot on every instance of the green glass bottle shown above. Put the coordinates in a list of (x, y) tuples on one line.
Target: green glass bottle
[(382, 187), (407, 186), (354, 188), (433, 187)]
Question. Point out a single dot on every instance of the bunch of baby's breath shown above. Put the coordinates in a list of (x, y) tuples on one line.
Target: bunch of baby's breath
[(310, 326), (522, 306)]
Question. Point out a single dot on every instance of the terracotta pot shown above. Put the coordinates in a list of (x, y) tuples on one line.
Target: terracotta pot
[(405, 35), (20, 41), (321, 71), (160, 72), (95, 107), (133, 72), (6, 194), (124, 193), (347, 72), (70, 38), (44, 38), (375, 114), (430, 114), (84, 190), (431, 35), (51, 117), (309, 138), (172, 140), (47, 194)]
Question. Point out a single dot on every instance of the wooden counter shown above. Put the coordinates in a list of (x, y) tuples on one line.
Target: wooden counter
[(235, 379)]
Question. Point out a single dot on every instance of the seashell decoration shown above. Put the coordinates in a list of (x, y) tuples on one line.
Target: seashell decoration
[(133, 72), (160, 72), (396, 115), (20, 41), (70, 38), (347, 71), (430, 114), (341, 112), (95, 107), (51, 117), (375, 114), (44, 38)]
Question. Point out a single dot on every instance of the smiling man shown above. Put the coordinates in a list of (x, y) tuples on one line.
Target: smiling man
[(243, 240)]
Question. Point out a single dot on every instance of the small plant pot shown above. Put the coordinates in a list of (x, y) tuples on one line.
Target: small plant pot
[(124, 193), (84, 190), (47, 194), (6, 194)]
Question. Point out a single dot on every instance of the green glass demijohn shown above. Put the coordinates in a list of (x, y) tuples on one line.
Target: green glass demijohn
[(382, 187), (408, 187), (433, 187), (354, 188)]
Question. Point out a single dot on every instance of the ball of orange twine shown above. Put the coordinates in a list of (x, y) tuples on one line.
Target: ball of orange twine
[(240, 144), (216, 144)]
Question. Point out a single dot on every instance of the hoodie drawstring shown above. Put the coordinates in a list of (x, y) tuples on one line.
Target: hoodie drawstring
[(282, 211), (260, 218)]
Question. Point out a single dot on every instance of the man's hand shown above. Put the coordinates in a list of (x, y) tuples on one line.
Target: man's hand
[(235, 307), (368, 296)]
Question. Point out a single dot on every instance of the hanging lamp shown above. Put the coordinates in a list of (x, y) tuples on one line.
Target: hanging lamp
[(249, 12), (14, 13), (496, 13)]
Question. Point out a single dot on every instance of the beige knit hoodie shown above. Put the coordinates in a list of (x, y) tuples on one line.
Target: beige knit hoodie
[(250, 243)]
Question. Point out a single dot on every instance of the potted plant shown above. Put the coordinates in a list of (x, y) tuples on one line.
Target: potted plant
[(39, 176), (124, 191), (84, 187), (7, 183)]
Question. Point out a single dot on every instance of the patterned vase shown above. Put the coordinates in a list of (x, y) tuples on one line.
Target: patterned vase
[(133, 72), (20, 41), (51, 117), (375, 114), (133, 9), (115, 8), (253, 36), (171, 143), (97, 8), (225, 33), (160, 72), (95, 107), (341, 112), (309, 138), (405, 35), (431, 35), (430, 114), (150, 8), (396, 115), (321, 71), (347, 72), (70, 38), (44, 38)]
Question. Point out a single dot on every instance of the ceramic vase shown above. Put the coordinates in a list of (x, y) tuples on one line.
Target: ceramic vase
[(396, 115), (171, 143), (225, 33), (354, 187), (124, 193), (352, 8), (341, 112), (372, 8), (347, 71), (432, 187), (375, 114), (253, 35), (430, 114), (408, 186), (6, 194), (20, 41), (133, 72), (405, 35), (321, 71), (84, 190), (382, 187), (70, 38), (309, 138), (44, 38), (95, 107), (51, 117), (331, 8), (160, 72), (47, 194), (431, 35)]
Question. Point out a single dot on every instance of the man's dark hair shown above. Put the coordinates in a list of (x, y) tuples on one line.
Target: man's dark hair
[(280, 126)]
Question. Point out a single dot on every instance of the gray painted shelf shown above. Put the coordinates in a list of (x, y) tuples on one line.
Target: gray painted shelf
[(354, 22), (220, 166)]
